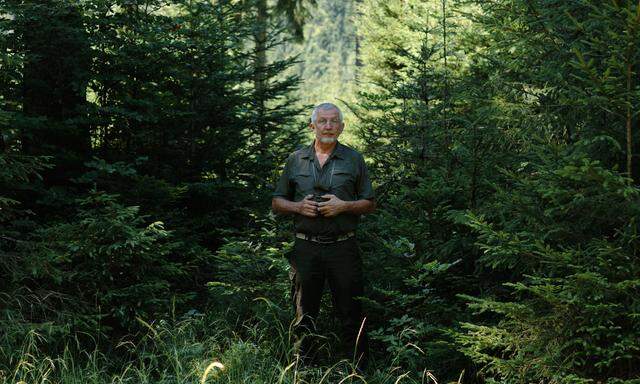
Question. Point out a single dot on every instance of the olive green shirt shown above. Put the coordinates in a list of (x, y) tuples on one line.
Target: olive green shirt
[(344, 174)]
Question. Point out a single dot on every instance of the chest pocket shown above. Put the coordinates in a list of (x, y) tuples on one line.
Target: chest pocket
[(343, 183), (304, 182)]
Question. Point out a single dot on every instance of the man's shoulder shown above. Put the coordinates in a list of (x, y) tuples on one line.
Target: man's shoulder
[(301, 151), (350, 152)]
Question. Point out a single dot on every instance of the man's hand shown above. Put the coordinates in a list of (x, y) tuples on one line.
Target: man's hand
[(331, 207), (308, 207)]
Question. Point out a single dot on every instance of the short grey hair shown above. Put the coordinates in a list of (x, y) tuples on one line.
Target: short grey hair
[(324, 107)]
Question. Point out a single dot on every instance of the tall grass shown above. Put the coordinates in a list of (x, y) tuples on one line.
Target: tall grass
[(209, 348)]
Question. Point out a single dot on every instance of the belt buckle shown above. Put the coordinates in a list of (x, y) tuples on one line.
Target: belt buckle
[(326, 239)]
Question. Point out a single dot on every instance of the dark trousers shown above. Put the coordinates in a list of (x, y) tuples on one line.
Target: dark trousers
[(340, 264)]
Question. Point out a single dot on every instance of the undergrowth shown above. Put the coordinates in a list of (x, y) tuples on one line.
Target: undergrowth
[(197, 348)]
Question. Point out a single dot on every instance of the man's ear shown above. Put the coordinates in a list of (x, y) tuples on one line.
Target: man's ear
[(310, 126)]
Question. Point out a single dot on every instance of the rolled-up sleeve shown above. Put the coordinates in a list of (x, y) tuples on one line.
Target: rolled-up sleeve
[(284, 188), (364, 189)]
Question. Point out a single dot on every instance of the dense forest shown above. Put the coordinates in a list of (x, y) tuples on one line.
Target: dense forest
[(140, 141)]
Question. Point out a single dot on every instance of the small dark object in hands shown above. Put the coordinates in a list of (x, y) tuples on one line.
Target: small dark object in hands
[(317, 197)]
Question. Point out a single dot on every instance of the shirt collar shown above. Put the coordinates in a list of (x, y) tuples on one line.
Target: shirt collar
[(310, 151)]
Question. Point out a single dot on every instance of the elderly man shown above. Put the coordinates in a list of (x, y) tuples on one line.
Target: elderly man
[(326, 187)]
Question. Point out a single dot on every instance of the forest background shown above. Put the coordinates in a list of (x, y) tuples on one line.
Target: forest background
[(140, 140)]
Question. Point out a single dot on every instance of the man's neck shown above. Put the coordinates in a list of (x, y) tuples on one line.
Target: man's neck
[(324, 148)]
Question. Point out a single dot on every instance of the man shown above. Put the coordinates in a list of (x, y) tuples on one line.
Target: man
[(326, 187)]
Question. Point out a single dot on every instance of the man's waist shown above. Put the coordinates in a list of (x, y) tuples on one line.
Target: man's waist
[(325, 239)]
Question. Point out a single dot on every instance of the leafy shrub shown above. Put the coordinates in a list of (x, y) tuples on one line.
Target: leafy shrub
[(108, 259)]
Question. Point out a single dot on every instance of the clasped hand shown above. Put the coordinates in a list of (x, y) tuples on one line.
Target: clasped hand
[(329, 208)]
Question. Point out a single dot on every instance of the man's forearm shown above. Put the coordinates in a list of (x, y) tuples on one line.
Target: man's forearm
[(359, 207), (284, 206)]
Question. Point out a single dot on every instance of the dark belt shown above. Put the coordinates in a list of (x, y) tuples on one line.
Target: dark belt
[(325, 239)]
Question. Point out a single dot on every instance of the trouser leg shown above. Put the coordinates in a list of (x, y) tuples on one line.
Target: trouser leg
[(344, 273), (308, 284)]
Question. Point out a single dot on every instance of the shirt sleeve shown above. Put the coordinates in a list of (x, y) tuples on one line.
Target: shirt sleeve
[(283, 186), (364, 189)]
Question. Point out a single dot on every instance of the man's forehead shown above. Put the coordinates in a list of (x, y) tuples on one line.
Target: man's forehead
[(329, 112)]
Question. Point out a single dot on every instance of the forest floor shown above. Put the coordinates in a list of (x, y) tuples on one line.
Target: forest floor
[(196, 349)]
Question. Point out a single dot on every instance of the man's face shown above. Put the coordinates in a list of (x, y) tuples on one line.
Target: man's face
[(327, 127)]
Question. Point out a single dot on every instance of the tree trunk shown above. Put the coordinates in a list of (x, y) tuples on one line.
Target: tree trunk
[(54, 86), (629, 130), (631, 31), (260, 65), (445, 91), (358, 54)]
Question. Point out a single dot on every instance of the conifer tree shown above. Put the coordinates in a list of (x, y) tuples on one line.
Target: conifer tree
[(51, 36), (167, 99)]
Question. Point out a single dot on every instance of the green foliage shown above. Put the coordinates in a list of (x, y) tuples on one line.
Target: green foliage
[(504, 245), (425, 123), (253, 267), (194, 348), (147, 102), (166, 98), (329, 52), (16, 170), (567, 62), (416, 268), (472, 110), (571, 316), (106, 262)]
